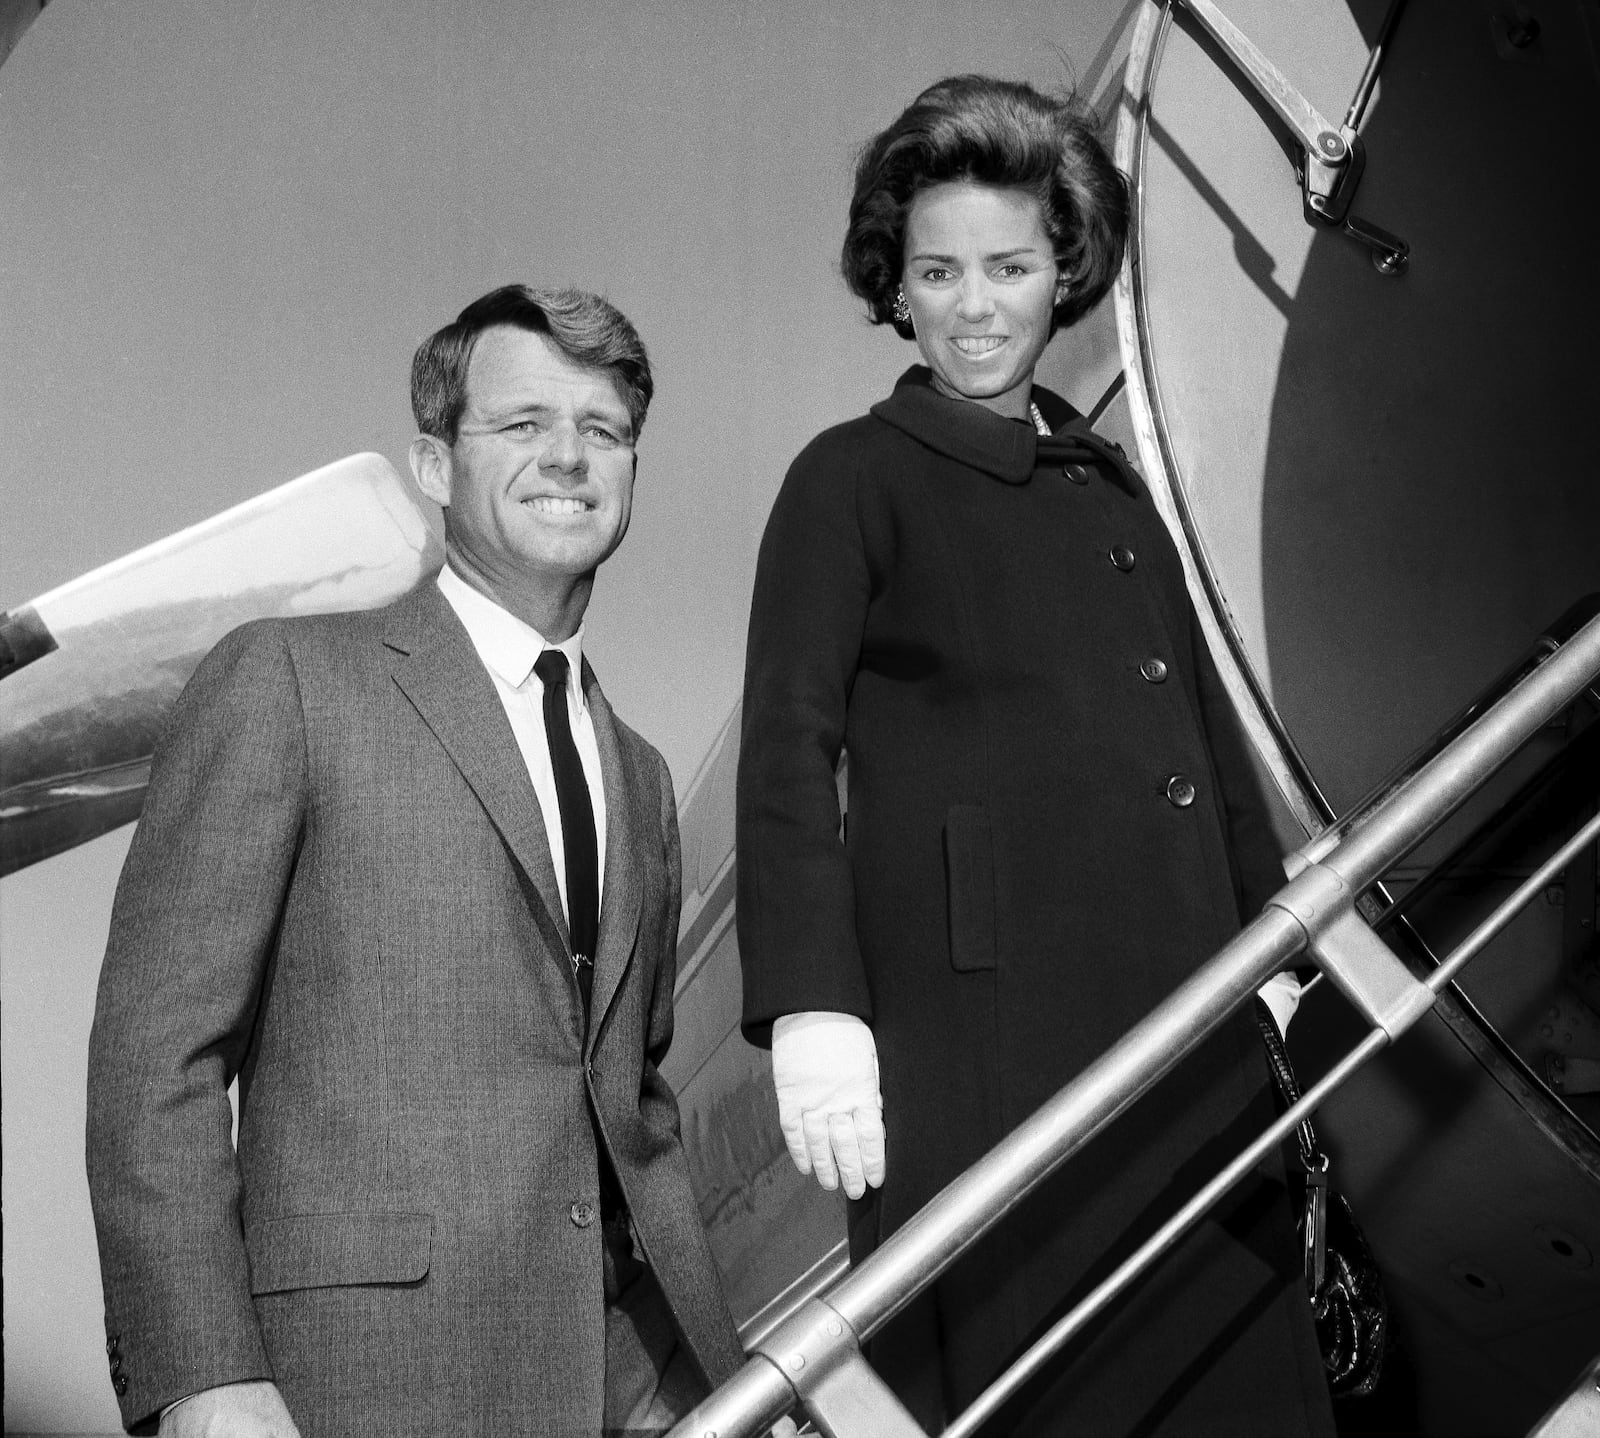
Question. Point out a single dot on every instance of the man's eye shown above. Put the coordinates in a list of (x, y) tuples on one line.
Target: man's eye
[(521, 427), (601, 433)]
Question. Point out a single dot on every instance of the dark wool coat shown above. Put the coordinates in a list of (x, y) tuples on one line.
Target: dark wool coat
[(1052, 820), (341, 890)]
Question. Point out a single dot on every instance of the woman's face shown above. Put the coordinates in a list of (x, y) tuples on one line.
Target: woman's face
[(980, 277)]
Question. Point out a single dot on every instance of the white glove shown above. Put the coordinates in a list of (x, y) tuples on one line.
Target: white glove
[(1281, 994), (825, 1069)]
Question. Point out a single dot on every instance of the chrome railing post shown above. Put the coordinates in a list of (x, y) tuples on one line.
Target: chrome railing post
[(822, 1361)]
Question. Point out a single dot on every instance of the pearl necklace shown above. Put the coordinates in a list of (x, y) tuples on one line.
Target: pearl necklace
[(1038, 419)]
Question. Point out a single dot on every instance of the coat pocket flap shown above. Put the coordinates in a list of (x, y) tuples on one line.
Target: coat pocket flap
[(329, 1250), (969, 878)]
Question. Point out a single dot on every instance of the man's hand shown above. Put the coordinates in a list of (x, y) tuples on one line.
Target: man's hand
[(235, 1410), (825, 1069)]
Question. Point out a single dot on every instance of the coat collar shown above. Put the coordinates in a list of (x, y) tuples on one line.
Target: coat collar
[(982, 440), (440, 672), (965, 432)]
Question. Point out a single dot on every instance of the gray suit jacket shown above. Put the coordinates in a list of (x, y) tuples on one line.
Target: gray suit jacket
[(341, 892)]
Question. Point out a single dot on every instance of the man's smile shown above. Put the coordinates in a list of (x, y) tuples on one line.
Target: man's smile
[(558, 504)]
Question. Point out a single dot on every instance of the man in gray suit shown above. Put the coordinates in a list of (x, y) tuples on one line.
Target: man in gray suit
[(406, 876)]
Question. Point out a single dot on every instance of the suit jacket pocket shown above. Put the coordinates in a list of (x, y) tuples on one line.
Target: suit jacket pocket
[(969, 886), (329, 1250)]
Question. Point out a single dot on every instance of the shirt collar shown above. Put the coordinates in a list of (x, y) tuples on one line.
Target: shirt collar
[(507, 646)]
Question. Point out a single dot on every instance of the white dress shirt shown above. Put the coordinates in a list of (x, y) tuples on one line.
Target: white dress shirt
[(509, 649)]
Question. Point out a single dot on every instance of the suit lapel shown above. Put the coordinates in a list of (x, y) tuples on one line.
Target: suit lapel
[(626, 828), (440, 673)]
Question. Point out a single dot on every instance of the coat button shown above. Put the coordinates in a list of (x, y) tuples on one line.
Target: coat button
[(120, 1383), (111, 1345), (1121, 556), (1155, 670), (581, 1213), (1076, 473), (1180, 791)]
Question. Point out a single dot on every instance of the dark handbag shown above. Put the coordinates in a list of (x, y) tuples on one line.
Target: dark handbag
[(1347, 1298)]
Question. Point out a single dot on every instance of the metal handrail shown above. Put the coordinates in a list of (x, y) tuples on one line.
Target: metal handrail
[(1161, 1242), (1314, 913), (1379, 906), (1545, 782), (1549, 641)]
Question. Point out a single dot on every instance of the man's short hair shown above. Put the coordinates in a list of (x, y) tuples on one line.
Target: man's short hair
[(588, 329)]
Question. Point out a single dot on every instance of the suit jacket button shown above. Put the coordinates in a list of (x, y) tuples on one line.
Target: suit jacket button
[(1155, 670), (1180, 791), (1076, 473), (120, 1383), (1121, 556), (581, 1213), (111, 1344)]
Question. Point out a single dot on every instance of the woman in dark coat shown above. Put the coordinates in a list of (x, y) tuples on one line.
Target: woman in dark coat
[(1052, 818)]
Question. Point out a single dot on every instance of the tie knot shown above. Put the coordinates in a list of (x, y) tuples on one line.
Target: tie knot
[(551, 667)]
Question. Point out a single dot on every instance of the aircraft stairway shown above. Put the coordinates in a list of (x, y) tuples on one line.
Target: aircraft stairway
[(1476, 1195)]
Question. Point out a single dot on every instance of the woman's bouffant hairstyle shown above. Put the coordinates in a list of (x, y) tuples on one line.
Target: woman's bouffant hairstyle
[(587, 329), (994, 132)]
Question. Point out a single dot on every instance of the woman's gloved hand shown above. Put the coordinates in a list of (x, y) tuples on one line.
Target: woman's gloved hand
[(825, 1069), (1281, 994)]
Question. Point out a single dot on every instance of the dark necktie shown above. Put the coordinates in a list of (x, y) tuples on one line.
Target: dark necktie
[(577, 821), (583, 871)]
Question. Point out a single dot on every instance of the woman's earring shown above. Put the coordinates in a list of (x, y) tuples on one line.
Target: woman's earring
[(902, 308)]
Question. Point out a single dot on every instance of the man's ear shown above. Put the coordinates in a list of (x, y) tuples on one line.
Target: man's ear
[(430, 465)]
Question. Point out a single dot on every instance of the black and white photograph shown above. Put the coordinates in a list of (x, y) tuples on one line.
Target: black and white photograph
[(723, 719)]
